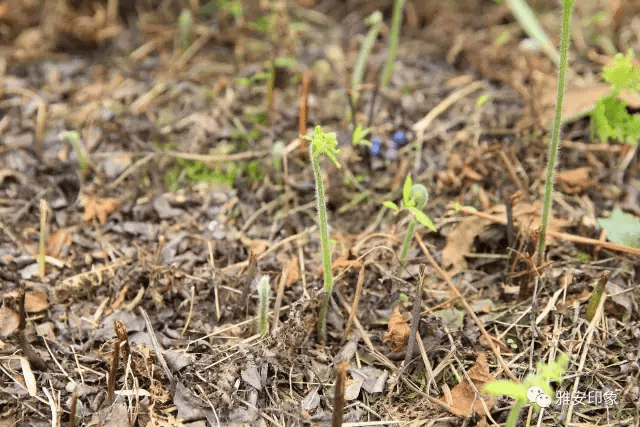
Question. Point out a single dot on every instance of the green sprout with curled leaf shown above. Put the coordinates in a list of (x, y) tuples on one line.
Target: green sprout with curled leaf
[(323, 143), (414, 199)]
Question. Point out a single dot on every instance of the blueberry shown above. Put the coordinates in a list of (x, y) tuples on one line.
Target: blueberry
[(375, 148), (391, 154), (399, 138)]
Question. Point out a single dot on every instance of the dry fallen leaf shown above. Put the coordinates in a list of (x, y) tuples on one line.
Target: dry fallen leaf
[(460, 239), (460, 242), (257, 246), (463, 394), (29, 378), (397, 331), (574, 181), (35, 301), (292, 272), (99, 209), (8, 321), (56, 240)]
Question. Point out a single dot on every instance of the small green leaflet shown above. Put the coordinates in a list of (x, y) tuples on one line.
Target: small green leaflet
[(422, 218), (406, 192), (622, 228), (390, 205)]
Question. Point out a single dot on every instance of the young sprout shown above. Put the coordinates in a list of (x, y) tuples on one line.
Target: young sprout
[(323, 143), (277, 154), (184, 22), (263, 307), (73, 137), (534, 388), (360, 135), (414, 199)]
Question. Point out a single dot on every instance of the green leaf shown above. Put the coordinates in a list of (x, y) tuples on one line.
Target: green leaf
[(506, 388), (324, 143), (390, 205), (622, 75), (622, 228), (359, 136), (406, 192), (422, 218)]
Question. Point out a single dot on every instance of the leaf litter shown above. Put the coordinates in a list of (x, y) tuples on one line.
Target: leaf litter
[(138, 229)]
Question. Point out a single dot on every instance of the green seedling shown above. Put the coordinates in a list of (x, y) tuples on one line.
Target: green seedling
[(375, 21), (44, 210), (360, 135), (610, 118), (323, 143), (263, 307), (394, 35), (527, 391), (414, 199), (277, 155), (596, 296), (185, 22), (73, 137), (555, 135)]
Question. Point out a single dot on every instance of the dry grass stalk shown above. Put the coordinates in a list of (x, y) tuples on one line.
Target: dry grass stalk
[(338, 398)]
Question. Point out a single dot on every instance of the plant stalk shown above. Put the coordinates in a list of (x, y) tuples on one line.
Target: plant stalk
[(407, 243), (394, 35), (324, 241), (555, 136)]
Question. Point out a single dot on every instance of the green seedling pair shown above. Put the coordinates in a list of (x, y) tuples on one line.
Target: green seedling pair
[(414, 199), (534, 388)]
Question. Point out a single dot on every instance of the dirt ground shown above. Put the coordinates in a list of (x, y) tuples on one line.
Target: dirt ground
[(181, 181)]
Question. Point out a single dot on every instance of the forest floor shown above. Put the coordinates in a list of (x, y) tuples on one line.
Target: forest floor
[(183, 181)]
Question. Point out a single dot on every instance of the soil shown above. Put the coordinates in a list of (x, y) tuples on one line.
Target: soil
[(151, 173)]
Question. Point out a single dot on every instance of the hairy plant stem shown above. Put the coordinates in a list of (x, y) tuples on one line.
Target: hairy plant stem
[(555, 135), (324, 242), (513, 414), (406, 244)]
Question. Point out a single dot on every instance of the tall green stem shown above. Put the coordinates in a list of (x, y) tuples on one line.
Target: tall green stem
[(324, 240), (407, 243), (555, 136), (394, 36), (513, 414)]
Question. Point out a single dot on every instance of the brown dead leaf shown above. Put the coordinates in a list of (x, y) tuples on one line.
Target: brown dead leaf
[(292, 271), (460, 239), (463, 394), (574, 181), (99, 209), (35, 301), (579, 101), (56, 240), (460, 243), (397, 331), (256, 246), (9, 321), (343, 263)]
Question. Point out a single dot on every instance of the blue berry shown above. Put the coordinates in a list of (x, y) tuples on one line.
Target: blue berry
[(391, 154), (375, 148), (399, 139)]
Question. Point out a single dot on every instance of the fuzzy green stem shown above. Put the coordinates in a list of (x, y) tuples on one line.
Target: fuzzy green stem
[(44, 208), (407, 243), (555, 136), (394, 35), (263, 294), (513, 414), (324, 241)]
